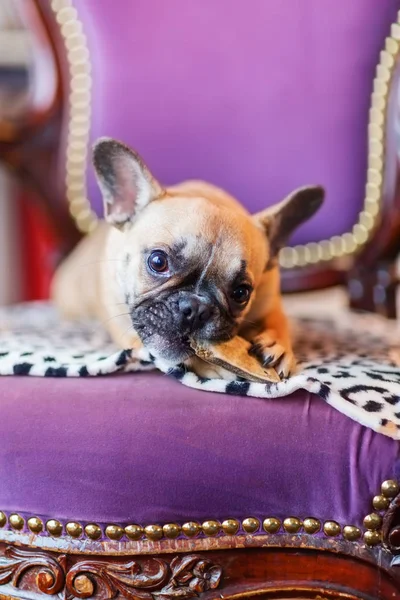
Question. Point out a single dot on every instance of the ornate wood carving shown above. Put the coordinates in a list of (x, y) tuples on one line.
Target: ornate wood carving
[(15, 563), (106, 580), (190, 576), (391, 526), (281, 572), (183, 577)]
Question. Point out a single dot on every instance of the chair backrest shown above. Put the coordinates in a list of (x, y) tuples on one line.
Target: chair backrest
[(258, 97)]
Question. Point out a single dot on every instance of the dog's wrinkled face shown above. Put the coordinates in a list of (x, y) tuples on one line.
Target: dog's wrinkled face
[(187, 265), (189, 271)]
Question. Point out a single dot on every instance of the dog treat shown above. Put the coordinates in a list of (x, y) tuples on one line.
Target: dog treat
[(234, 357)]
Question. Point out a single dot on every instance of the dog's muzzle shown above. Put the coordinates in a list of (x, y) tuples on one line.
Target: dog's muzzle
[(194, 312), (167, 325)]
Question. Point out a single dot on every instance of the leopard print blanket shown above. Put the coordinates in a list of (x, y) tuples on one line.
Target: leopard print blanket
[(352, 363)]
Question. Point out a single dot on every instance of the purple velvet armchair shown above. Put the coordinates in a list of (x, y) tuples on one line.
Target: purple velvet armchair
[(135, 487)]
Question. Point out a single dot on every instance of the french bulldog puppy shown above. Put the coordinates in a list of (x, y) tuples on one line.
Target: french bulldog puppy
[(171, 265)]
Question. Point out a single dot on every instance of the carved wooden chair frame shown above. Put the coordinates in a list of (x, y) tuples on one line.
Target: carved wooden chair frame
[(227, 559)]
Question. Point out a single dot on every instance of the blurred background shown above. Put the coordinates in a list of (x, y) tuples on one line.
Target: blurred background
[(27, 87), (14, 61)]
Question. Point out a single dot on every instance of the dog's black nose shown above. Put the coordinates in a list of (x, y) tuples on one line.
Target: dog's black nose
[(194, 311)]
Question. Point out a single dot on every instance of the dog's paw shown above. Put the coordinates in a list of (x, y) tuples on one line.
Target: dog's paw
[(271, 353)]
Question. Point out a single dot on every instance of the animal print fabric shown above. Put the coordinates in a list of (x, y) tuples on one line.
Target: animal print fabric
[(352, 362)]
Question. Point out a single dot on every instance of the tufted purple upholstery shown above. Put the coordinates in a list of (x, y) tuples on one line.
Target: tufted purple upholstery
[(145, 449), (259, 97)]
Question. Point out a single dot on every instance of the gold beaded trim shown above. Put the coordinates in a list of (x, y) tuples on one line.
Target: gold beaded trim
[(348, 243), (79, 113), (297, 256), (292, 525)]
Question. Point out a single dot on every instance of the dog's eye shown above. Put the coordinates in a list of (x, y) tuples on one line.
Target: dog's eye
[(158, 261), (241, 294)]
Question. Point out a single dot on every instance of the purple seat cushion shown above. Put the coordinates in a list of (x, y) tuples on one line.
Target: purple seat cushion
[(259, 97), (142, 448)]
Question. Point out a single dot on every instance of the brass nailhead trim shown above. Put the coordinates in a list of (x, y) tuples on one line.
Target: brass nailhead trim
[(292, 525), (301, 255), (380, 503), (171, 530), (351, 534), (134, 532), (230, 526), (16, 521), (93, 531), (251, 525), (35, 524), (390, 488), (372, 538), (311, 525), (114, 532), (372, 523), (191, 529), (271, 525), (211, 528), (332, 528), (54, 527), (153, 532), (73, 529)]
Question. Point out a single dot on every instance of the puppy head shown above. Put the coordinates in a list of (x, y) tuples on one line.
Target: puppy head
[(187, 262)]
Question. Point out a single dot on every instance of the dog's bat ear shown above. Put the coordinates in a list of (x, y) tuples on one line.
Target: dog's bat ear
[(126, 183), (279, 221)]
